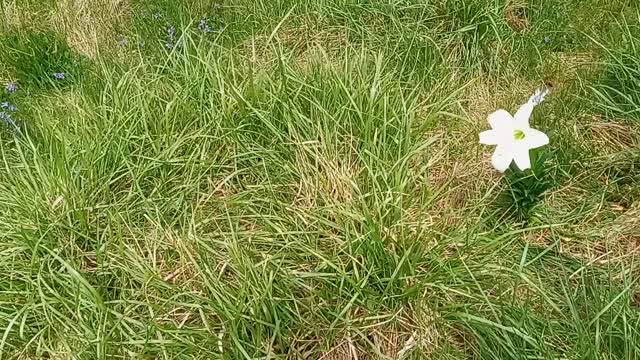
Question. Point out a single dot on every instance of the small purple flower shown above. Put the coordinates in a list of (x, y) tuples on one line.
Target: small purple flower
[(203, 26), (168, 45), (8, 106), (156, 15), (11, 88), (547, 39), (171, 31), (7, 119), (58, 76)]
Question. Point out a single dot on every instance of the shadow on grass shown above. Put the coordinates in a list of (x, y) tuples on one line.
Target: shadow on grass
[(35, 58), (524, 190)]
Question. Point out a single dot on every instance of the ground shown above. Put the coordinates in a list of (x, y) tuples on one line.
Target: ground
[(280, 179)]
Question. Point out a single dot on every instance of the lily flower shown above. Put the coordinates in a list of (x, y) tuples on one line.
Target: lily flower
[(513, 136)]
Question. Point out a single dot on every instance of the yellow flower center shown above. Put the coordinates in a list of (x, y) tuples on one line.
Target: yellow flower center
[(518, 135)]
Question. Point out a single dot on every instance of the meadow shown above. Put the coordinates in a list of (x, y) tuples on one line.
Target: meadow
[(298, 179)]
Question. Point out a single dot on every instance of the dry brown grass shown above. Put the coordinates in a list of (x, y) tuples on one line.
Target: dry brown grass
[(600, 232), (15, 16), (604, 230), (466, 182), (393, 336), (485, 96), (608, 137), (516, 16), (89, 25), (388, 342), (169, 256), (562, 69), (346, 350), (624, 234), (311, 44), (326, 179), (614, 243)]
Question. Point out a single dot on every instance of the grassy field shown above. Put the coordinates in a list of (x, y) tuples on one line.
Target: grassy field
[(297, 179)]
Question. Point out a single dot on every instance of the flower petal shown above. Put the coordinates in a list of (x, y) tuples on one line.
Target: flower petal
[(521, 157), (490, 137), (501, 158), (523, 114), (534, 138), (501, 121), (521, 118)]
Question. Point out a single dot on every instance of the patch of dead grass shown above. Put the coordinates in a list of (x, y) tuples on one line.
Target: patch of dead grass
[(608, 137), (17, 14), (564, 68), (309, 42), (346, 350), (624, 233), (463, 183), (600, 229), (600, 232), (484, 96), (172, 258), (516, 16), (394, 336), (388, 342), (89, 25), (326, 179)]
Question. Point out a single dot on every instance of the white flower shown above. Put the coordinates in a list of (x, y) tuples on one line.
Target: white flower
[(513, 136)]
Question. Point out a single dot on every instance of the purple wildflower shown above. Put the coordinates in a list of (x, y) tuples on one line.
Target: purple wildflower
[(7, 119), (59, 75), (547, 39), (203, 26), (168, 45), (171, 31), (11, 88), (8, 106), (156, 15)]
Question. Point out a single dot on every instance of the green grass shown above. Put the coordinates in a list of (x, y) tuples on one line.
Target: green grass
[(307, 183), (34, 57)]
